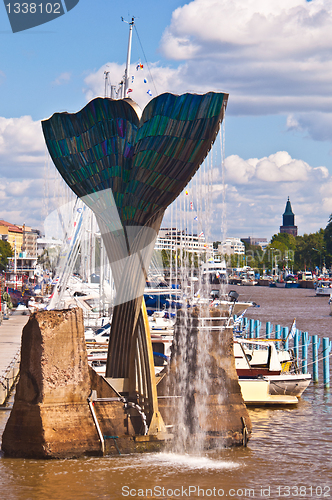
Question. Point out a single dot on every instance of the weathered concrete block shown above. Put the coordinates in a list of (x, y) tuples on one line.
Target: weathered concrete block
[(201, 383), (51, 416)]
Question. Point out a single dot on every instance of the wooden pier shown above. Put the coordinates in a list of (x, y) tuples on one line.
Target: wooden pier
[(10, 347)]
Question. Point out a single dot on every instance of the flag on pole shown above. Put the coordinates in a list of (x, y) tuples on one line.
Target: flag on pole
[(292, 332), (186, 193), (196, 218), (191, 206), (149, 92)]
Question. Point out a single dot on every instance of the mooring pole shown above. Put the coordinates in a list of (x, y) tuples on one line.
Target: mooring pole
[(296, 343), (257, 328), (268, 329), (277, 334), (327, 344), (245, 325), (305, 342), (315, 347), (251, 328), (285, 336)]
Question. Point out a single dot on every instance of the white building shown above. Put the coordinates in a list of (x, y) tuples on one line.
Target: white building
[(231, 246), (172, 239)]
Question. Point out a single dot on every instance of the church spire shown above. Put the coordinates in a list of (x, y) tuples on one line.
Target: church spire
[(288, 220)]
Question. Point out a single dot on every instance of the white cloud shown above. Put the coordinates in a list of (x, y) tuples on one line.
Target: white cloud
[(270, 56), (317, 125), (63, 78), (29, 185), (257, 191), (21, 145), (159, 80)]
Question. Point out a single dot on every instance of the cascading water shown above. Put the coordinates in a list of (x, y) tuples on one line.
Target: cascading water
[(196, 382)]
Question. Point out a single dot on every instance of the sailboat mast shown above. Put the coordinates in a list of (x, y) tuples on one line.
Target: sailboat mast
[(126, 82)]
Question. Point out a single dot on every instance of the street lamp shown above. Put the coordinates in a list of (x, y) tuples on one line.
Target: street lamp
[(320, 258)]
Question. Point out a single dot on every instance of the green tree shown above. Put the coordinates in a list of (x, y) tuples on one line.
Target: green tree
[(328, 242), (310, 250), (5, 252)]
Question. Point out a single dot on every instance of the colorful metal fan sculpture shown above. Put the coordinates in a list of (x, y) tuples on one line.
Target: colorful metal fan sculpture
[(128, 169)]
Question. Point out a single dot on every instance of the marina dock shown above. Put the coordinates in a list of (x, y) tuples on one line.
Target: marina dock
[(10, 347)]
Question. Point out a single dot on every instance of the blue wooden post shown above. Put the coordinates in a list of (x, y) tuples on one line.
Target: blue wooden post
[(251, 328), (296, 343), (326, 361), (284, 336), (305, 342), (315, 347), (245, 325), (257, 328), (268, 329), (277, 333)]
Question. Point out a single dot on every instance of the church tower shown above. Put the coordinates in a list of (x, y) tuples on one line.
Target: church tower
[(288, 217)]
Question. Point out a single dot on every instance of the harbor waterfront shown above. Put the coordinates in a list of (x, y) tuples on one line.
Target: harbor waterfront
[(288, 456)]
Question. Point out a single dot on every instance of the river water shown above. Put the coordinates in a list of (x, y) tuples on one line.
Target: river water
[(288, 456)]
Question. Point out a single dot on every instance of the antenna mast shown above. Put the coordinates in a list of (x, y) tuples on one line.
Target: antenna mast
[(126, 76), (106, 73)]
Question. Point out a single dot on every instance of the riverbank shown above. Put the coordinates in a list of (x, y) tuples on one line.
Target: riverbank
[(10, 347)]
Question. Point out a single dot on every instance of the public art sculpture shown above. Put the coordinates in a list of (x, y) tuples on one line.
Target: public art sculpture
[(128, 168)]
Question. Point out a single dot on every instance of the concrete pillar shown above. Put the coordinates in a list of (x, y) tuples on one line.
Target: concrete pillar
[(51, 416)]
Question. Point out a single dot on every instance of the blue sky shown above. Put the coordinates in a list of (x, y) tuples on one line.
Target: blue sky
[(273, 60)]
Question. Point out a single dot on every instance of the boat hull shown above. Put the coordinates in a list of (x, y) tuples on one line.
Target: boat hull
[(288, 384), (257, 392)]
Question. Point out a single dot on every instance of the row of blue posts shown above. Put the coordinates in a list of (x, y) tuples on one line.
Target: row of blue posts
[(252, 330)]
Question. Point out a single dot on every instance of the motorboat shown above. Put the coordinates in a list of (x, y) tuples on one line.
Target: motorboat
[(258, 360), (160, 323), (324, 289), (214, 271), (158, 296), (266, 374)]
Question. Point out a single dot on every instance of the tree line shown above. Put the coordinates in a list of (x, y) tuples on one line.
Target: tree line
[(295, 253)]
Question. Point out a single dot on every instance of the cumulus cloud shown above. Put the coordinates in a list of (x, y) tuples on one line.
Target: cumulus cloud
[(21, 145), (158, 79), (317, 125), (29, 185), (253, 197), (257, 191), (270, 56)]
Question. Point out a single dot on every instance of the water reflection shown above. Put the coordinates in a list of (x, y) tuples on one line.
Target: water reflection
[(290, 447)]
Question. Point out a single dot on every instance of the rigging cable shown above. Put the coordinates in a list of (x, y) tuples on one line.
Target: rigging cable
[(146, 62)]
